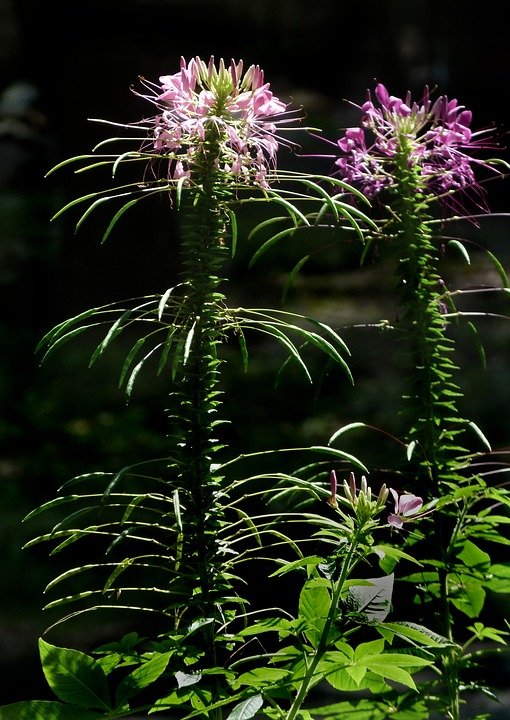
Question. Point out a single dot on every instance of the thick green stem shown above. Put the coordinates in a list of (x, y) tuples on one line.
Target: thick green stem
[(431, 403), (195, 400)]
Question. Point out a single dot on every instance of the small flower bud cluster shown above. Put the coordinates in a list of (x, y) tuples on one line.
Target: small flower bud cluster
[(359, 500)]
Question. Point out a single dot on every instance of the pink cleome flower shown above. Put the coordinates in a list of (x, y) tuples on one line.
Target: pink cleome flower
[(433, 136), (238, 108), (407, 507)]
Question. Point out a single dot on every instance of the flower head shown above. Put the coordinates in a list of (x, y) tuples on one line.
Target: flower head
[(222, 107), (435, 138), (407, 507)]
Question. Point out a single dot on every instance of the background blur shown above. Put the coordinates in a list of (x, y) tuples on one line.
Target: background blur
[(62, 63)]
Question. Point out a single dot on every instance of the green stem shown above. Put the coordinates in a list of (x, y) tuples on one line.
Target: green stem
[(434, 419), (322, 646), (195, 400)]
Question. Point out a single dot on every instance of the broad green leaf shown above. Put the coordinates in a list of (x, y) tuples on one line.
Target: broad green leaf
[(46, 710), (482, 632), (314, 606), (394, 553), (472, 556), (499, 575), (467, 594), (368, 649), (261, 677), (364, 709), (273, 624), (415, 633), (187, 679), (312, 560), (74, 676), (391, 672), (141, 677), (341, 680), (372, 599), (399, 659), (247, 708), (356, 672)]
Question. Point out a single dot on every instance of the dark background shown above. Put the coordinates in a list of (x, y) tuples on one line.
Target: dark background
[(62, 63)]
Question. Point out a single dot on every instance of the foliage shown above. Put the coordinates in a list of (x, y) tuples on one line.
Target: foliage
[(180, 536)]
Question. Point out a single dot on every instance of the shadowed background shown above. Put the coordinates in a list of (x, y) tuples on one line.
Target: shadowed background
[(62, 63)]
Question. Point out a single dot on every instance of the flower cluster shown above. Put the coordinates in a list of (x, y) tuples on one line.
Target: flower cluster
[(237, 110), (408, 507), (359, 500), (432, 137)]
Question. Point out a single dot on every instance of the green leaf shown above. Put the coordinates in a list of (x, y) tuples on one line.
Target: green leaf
[(462, 249), (365, 709), (480, 434), (187, 679), (187, 344), (499, 578), (379, 666), (269, 243), (141, 677), (292, 275), (499, 267), (312, 560), (314, 606), (415, 634), (247, 708), (260, 677), (468, 595), (46, 710), (472, 556), (481, 350), (74, 676), (233, 231), (393, 552), (273, 624), (373, 598)]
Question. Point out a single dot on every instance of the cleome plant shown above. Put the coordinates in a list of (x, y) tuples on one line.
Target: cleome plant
[(177, 537)]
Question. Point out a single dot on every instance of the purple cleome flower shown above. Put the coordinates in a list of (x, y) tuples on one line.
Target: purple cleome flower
[(407, 507), (431, 136), (239, 110)]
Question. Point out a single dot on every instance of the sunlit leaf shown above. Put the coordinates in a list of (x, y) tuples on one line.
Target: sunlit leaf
[(74, 676), (246, 709)]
